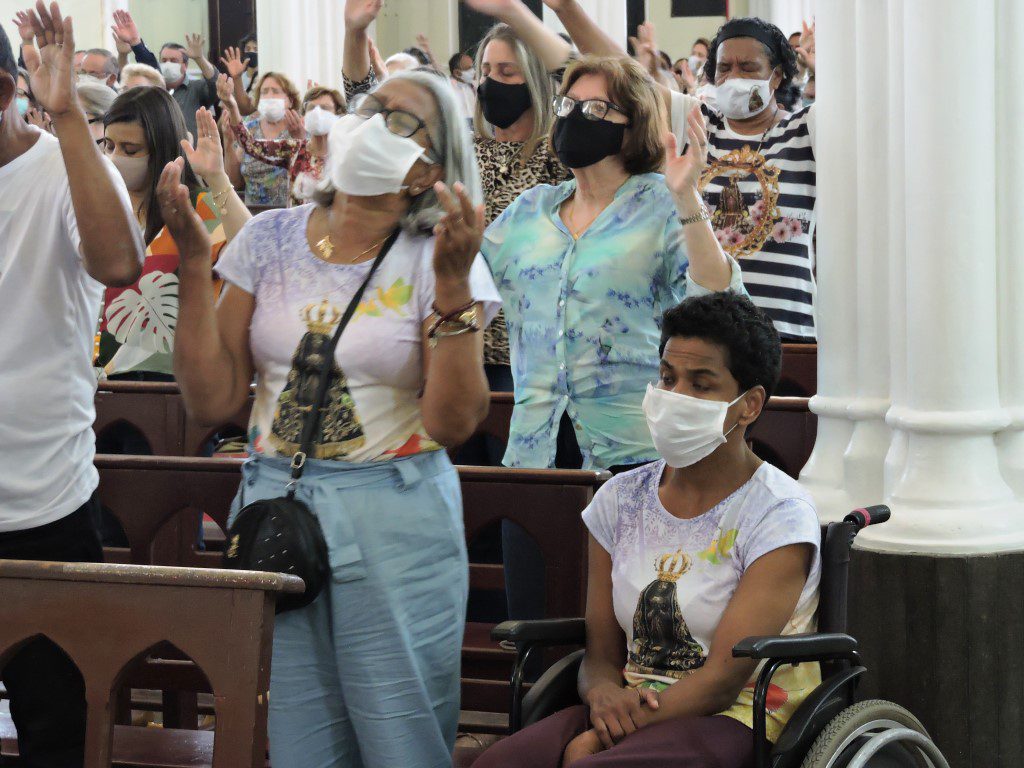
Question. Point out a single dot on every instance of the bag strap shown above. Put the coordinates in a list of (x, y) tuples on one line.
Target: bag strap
[(312, 421)]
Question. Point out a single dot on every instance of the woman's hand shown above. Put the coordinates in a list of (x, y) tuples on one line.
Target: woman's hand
[(806, 48), (234, 64), (645, 48), (23, 22), (226, 94), (359, 14), (682, 173), (459, 235), (294, 124), (50, 61), (38, 118), (616, 712), (379, 67), (182, 221), (207, 158), (584, 745)]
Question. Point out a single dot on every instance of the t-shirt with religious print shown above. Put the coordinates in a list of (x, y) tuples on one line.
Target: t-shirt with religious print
[(762, 192), (373, 410), (673, 578)]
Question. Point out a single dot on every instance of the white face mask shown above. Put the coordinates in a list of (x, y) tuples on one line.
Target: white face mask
[(706, 93), (272, 110), (365, 158), (739, 98), (695, 62), (171, 72), (466, 77), (319, 121), (685, 429), (85, 79)]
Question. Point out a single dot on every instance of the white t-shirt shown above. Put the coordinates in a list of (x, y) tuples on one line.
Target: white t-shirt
[(49, 307), (373, 411), (672, 579)]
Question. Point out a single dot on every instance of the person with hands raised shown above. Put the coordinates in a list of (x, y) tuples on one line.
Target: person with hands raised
[(66, 231), (399, 207), (238, 68)]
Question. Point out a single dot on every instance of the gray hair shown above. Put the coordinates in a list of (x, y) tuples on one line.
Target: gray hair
[(453, 151), (109, 64), (95, 98), (538, 83), (144, 71), (407, 60)]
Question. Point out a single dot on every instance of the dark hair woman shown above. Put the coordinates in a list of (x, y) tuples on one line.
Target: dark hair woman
[(144, 130)]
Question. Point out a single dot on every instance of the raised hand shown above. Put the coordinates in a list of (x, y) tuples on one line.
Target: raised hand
[(459, 234), (645, 48), (359, 14), (207, 157), (38, 118), (496, 8), (379, 68), (233, 62), (226, 94), (806, 48), (294, 124), (195, 45), (682, 173), (50, 63), (24, 24), (423, 43), (182, 221), (125, 29)]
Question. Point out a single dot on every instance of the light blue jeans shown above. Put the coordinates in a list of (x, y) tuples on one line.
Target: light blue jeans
[(368, 674)]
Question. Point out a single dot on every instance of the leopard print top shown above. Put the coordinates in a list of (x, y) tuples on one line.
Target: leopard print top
[(504, 177)]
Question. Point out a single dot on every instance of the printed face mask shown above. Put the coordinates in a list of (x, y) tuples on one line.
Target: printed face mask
[(366, 159), (739, 98), (319, 121), (272, 110), (580, 142), (501, 103), (134, 171), (685, 429)]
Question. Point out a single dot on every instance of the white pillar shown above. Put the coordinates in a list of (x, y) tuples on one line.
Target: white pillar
[(836, 153), (896, 457), (303, 39), (869, 443), (1010, 236), (951, 496)]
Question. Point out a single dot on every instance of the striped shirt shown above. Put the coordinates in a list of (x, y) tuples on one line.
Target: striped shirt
[(762, 192)]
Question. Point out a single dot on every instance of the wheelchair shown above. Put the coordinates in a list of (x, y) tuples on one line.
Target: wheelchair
[(830, 729)]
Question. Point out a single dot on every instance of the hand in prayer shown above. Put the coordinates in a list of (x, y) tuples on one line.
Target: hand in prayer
[(50, 63), (182, 221), (125, 29), (233, 63), (295, 125), (207, 157)]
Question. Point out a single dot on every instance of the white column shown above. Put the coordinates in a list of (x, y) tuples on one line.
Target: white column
[(865, 456), (785, 14), (303, 39), (951, 496), (897, 246), (836, 302), (1010, 236)]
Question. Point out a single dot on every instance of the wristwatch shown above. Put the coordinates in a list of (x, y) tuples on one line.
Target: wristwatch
[(703, 215)]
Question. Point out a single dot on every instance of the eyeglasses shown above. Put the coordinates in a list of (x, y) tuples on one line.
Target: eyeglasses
[(591, 109), (398, 121)]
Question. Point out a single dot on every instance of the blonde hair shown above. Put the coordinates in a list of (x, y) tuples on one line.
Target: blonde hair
[(538, 82), (286, 85), (144, 71), (631, 89)]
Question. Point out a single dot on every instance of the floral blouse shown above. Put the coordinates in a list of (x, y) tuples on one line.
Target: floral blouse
[(265, 184), (304, 168)]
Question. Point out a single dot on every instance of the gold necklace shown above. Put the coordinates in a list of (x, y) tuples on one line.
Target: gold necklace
[(572, 221), (326, 248)]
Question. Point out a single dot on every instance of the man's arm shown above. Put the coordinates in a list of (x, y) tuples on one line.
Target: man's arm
[(112, 248), (126, 31), (196, 47)]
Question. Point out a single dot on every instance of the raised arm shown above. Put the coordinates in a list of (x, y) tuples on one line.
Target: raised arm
[(112, 247), (196, 47), (207, 160), (552, 49), (359, 14), (212, 363), (710, 268), (589, 37), (236, 66), (126, 31)]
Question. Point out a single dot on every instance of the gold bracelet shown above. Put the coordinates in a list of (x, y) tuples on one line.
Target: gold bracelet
[(221, 198)]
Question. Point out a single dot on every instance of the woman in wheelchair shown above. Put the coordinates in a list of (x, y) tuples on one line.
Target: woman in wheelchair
[(688, 556)]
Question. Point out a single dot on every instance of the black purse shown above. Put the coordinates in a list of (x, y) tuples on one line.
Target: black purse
[(283, 535)]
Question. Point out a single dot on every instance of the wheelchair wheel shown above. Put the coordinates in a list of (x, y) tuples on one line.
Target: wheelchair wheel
[(849, 731)]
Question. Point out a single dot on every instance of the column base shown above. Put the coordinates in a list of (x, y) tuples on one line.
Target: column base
[(941, 636)]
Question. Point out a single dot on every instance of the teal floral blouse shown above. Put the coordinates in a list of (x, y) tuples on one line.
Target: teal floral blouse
[(584, 317)]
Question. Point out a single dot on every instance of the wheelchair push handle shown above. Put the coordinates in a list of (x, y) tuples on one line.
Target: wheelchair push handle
[(862, 518)]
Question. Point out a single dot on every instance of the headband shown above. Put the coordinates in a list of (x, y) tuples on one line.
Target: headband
[(746, 28)]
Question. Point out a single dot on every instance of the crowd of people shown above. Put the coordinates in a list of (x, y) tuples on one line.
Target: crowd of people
[(620, 238)]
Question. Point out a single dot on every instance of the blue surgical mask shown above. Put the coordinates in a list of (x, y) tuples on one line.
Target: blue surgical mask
[(22, 104)]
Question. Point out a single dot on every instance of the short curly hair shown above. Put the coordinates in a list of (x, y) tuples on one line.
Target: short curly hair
[(780, 54), (730, 320)]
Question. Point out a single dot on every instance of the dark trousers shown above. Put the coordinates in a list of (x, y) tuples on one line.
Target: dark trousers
[(46, 690), (690, 742)]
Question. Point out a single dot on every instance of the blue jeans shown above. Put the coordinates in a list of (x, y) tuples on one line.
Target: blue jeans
[(368, 674)]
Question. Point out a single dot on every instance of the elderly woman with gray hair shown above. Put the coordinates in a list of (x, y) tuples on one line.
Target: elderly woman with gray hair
[(368, 673)]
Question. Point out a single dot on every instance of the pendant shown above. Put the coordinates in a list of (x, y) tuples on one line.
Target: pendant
[(326, 248)]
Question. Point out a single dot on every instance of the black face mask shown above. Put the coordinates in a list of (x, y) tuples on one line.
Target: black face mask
[(503, 104), (252, 59), (580, 142)]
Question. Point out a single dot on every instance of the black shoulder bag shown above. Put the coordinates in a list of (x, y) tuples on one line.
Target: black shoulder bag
[(283, 535)]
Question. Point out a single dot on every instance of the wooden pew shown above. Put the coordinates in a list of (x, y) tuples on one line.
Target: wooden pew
[(160, 502), (784, 434), (108, 618), (799, 370)]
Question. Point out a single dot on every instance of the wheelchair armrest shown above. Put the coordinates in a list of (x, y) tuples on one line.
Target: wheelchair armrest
[(543, 631), (814, 646)]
